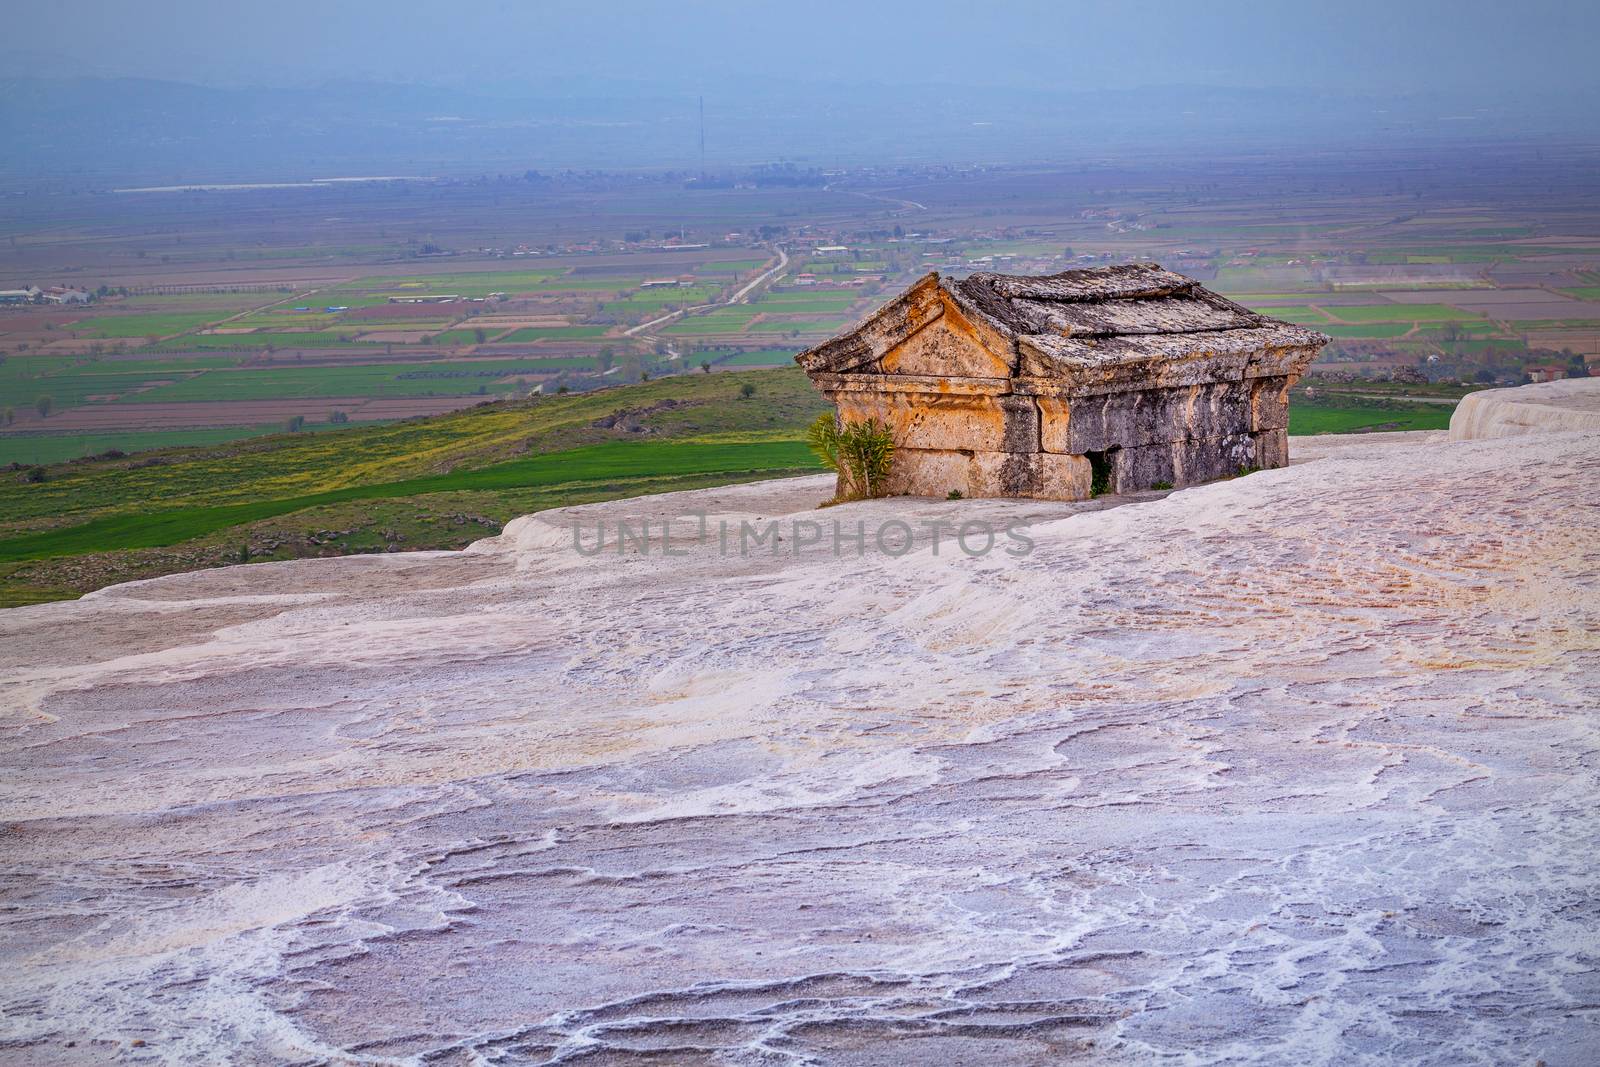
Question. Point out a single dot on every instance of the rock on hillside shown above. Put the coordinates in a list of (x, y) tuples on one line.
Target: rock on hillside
[(1568, 404)]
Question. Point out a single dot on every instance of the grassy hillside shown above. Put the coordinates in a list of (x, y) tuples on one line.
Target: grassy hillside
[(445, 481), (1308, 418), (1319, 405), (439, 482)]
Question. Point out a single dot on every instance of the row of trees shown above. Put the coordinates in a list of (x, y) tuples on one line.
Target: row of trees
[(44, 405)]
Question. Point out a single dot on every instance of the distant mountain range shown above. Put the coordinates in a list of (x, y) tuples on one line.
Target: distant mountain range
[(104, 130)]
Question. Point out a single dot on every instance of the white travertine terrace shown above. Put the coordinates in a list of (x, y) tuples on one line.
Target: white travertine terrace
[(1300, 767), (1568, 404)]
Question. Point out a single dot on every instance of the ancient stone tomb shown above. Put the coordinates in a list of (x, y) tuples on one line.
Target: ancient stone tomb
[(1059, 386)]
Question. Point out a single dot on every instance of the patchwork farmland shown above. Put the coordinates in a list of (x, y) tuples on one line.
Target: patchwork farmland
[(236, 316), (145, 368)]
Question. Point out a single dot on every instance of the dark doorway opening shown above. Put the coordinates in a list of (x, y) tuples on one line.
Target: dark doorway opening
[(1102, 471)]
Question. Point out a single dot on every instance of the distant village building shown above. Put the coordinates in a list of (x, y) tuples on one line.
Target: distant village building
[(429, 298), (1547, 372), (1055, 387), (55, 294)]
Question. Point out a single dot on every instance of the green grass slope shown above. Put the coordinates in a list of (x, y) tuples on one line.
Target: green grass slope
[(438, 482), (444, 481)]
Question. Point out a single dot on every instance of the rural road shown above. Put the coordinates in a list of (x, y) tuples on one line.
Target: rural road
[(1408, 398), (909, 205), (736, 298)]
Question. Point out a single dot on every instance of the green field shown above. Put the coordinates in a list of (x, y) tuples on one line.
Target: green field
[(453, 337), (384, 487), (1527, 325), (156, 324), (623, 284), (723, 320), (475, 283), (95, 521), (285, 320), (1376, 329), (1402, 313), (804, 307), (70, 381), (1484, 253), (809, 300), (537, 364), (1294, 313), (57, 448), (402, 325), (1351, 415), (321, 299), (370, 379), (307, 340), (766, 357), (815, 325), (219, 301), (731, 266), (553, 333), (647, 299), (609, 462)]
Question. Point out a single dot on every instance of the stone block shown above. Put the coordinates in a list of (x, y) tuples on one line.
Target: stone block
[(1151, 416), (1055, 424), (1010, 474), (1134, 470), (1063, 477), (1111, 420), (1021, 424), (932, 472), (1221, 409), (959, 423), (1272, 448), (935, 472), (1269, 404), (1212, 458)]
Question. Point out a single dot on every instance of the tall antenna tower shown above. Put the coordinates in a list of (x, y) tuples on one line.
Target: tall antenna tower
[(702, 138)]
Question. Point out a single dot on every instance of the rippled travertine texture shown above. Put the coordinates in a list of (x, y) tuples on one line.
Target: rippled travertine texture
[(1570, 404), (1298, 768)]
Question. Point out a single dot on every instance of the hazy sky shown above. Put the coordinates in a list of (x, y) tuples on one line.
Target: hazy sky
[(1376, 45)]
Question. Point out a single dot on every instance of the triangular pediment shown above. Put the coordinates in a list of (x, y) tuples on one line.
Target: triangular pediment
[(928, 330), (948, 346)]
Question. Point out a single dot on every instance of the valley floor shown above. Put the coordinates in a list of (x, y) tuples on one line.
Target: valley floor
[(1295, 768)]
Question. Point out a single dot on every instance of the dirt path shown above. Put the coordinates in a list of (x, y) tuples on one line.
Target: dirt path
[(739, 297)]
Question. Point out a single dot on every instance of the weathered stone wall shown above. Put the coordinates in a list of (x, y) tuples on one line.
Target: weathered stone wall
[(993, 390), (1191, 461), (971, 436), (930, 421), (1176, 436), (1041, 475), (948, 347)]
